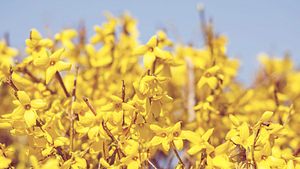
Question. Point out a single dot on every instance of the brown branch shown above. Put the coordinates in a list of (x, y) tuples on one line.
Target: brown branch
[(86, 100), (151, 164), (11, 84), (62, 84), (123, 99), (35, 79), (72, 112), (130, 125), (176, 153), (253, 147), (123, 91), (108, 132)]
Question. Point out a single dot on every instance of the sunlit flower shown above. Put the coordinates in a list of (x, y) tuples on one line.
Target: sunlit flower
[(52, 63)]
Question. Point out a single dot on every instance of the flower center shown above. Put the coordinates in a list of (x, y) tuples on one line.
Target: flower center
[(207, 74), (52, 63), (118, 106), (176, 134), (163, 134), (27, 106), (135, 158), (151, 49)]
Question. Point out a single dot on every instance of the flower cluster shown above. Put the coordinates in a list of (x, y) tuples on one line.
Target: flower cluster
[(108, 101)]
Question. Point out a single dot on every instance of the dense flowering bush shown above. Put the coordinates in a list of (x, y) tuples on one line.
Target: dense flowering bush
[(110, 102)]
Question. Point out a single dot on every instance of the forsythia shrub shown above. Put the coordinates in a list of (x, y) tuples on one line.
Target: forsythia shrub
[(110, 102)]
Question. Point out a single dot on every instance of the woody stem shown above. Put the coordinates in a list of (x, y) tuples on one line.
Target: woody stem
[(61, 82), (72, 112), (119, 151), (11, 84), (87, 102), (151, 164), (123, 100), (253, 147), (176, 153)]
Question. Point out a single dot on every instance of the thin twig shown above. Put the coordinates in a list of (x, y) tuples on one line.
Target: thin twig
[(151, 164), (132, 122), (86, 100), (62, 84), (123, 91), (119, 151), (112, 137), (72, 112), (123, 99), (253, 147), (176, 153), (11, 84), (35, 79)]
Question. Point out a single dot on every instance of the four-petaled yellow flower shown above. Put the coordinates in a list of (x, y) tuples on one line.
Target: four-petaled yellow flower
[(211, 77), (166, 136), (52, 63), (26, 109), (36, 43)]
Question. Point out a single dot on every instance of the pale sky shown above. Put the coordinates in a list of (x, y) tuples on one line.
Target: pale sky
[(251, 26)]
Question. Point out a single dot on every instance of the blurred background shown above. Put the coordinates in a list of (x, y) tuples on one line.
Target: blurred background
[(252, 27)]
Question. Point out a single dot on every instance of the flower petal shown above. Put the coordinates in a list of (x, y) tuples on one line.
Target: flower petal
[(50, 72), (41, 60), (60, 66), (23, 97), (30, 117), (38, 103), (57, 54), (156, 141), (149, 59), (178, 144)]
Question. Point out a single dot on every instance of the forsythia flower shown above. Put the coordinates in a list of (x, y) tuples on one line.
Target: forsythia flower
[(211, 77), (168, 136), (26, 108), (52, 63), (66, 37), (36, 43)]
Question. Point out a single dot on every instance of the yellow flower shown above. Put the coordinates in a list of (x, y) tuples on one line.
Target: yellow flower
[(211, 77), (4, 162), (6, 55), (102, 57), (105, 33), (242, 136), (200, 142), (168, 135), (115, 109), (66, 37), (151, 52), (52, 63), (6, 60), (133, 157), (163, 39), (75, 163), (26, 108), (36, 43)]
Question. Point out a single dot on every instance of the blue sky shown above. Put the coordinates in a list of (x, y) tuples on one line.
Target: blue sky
[(252, 26)]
